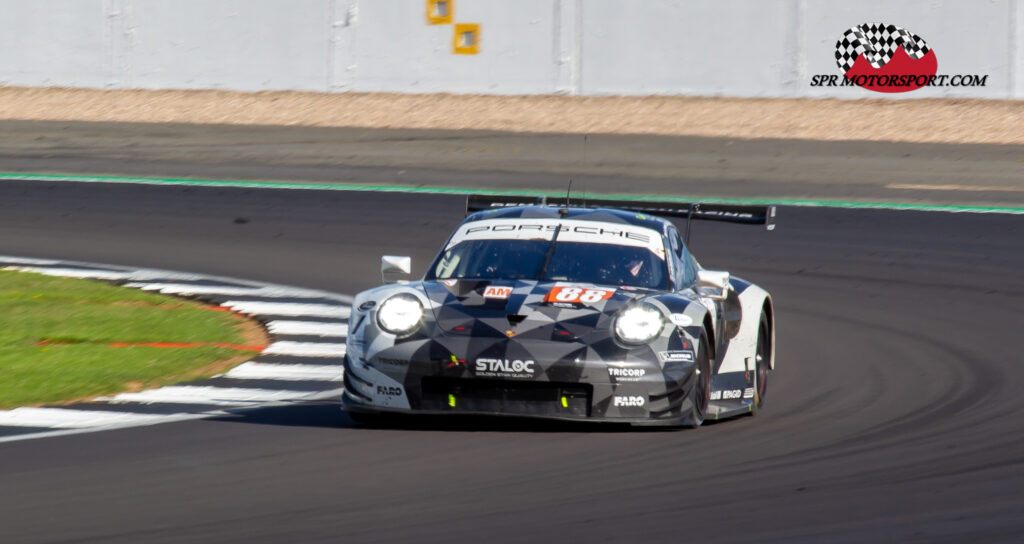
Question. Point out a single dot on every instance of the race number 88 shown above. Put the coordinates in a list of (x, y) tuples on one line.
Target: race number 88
[(578, 295)]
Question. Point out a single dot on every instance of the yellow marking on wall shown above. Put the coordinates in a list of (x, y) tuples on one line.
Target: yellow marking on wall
[(467, 39), (439, 12)]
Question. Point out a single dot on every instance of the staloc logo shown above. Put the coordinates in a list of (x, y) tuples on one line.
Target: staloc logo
[(513, 368), (889, 59)]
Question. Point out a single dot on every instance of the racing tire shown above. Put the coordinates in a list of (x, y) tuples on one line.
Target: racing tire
[(702, 389), (762, 360)]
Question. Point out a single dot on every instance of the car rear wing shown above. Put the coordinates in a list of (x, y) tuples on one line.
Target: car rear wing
[(733, 213)]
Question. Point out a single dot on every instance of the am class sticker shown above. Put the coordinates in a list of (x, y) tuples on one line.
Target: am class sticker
[(494, 291)]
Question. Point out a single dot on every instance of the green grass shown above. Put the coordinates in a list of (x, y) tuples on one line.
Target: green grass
[(80, 318)]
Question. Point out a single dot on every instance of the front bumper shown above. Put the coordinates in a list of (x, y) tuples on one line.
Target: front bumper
[(640, 391), (349, 404)]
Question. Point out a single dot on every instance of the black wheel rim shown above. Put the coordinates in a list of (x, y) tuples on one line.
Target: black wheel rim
[(703, 388), (763, 353)]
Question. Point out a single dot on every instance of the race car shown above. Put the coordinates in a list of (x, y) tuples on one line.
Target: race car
[(592, 311)]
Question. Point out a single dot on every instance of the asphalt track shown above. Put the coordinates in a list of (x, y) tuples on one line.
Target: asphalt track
[(915, 173), (894, 415)]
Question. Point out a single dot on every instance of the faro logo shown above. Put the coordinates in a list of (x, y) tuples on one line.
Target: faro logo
[(885, 58), (629, 401), (389, 390)]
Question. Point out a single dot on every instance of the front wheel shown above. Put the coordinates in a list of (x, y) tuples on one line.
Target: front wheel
[(762, 359), (702, 389)]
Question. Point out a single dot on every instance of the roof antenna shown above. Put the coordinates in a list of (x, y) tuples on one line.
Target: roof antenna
[(584, 166), (694, 208), (565, 211)]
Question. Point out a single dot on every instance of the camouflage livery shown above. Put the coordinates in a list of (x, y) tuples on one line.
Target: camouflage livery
[(529, 347)]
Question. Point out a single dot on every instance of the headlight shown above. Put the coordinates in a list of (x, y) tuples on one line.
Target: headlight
[(400, 314), (639, 324)]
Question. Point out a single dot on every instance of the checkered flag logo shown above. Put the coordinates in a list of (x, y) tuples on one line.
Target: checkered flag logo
[(878, 43)]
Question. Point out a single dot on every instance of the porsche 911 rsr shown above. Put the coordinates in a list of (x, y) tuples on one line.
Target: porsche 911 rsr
[(595, 313)]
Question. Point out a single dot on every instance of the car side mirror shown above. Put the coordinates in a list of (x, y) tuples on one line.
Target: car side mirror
[(712, 284), (395, 269)]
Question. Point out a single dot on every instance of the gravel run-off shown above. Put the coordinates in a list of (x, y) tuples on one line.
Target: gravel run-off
[(909, 120)]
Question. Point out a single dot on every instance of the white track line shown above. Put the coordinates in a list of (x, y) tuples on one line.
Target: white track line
[(206, 394), (305, 349), (186, 289), (149, 275), (73, 272), (307, 328), (28, 261), (226, 290), (64, 418), (271, 371), (289, 309)]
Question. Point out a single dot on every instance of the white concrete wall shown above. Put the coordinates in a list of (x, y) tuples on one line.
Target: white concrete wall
[(591, 47), (242, 44)]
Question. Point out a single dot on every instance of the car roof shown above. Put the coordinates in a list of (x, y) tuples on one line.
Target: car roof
[(602, 215)]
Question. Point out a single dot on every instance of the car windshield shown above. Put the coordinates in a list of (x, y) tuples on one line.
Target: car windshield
[(606, 264)]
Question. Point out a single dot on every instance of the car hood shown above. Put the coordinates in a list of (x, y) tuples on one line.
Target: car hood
[(561, 311)]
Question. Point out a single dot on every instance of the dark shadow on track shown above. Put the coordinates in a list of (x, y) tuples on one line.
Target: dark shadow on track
[(330, 415)]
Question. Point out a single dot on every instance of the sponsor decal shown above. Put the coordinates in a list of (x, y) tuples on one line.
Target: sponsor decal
[(505, 368), (389, 390), (676, 356), (728, 394), (748, 393), (367, 305), (887, 58), (630, 401), (577, 295), (715, 395), (594, 229), (626, 374), (681, 320), (497, 292), (449, 283), (572, 231)]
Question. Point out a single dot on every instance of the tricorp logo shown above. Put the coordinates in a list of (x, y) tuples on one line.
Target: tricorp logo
[(885, 58)]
